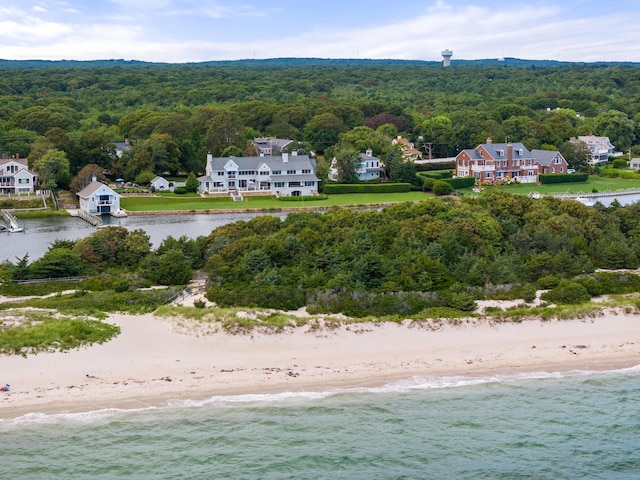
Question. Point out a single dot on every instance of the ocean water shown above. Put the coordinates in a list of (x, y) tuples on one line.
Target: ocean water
[(580, 425)]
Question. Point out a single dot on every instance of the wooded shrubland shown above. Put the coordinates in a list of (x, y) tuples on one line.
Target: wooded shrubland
[(403, 259)]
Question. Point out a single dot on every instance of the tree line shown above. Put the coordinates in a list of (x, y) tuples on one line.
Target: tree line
[(174, 114)]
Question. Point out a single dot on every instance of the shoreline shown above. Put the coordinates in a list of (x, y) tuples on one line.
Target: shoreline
[(155, 361)]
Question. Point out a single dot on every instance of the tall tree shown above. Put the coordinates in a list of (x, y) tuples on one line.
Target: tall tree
[(53, 169), (617, 126)]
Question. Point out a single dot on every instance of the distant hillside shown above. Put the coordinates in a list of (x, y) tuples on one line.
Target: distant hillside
[(303, 62)]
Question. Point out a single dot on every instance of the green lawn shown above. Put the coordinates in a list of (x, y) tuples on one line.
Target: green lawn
[(600, 184), (169, 202), (175, 203)]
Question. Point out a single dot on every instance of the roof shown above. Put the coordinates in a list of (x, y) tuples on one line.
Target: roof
[(364, 156), (275, 144), (545, 157), (294, 178), (92, 188), (273, 162), (495, 150), (20, 161)]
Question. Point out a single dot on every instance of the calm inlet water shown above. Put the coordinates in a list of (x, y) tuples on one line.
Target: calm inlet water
[(40, 233), (574, 426)]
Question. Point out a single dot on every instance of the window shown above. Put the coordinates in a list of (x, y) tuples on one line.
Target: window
[(277, 172), (23, 180), (557, 160), (306, 170), (264, 172), (309, 184), (291, 172), (488, 174), (278, 184), (220, 174)]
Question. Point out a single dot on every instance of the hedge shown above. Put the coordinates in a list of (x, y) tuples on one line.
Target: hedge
[(335, 188), (547, 178), (437, 174), (424, 167), (461, 182)]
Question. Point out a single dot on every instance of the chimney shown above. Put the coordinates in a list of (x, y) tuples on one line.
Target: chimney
[(294, 153), (209, 157), (94, 179), (285, 157), (489, 141), (509, 152), (369, 152)]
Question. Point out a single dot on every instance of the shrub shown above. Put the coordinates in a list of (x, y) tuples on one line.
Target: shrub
[(620, 163), (427, 184), (461, 182), (336, 188), (567, 293), (549, 178), (440, 187), (180, 190)]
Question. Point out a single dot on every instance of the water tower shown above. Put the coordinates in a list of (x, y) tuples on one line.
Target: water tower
[(446, 57)]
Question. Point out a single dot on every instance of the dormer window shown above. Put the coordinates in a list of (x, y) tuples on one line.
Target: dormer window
[(501, 153)]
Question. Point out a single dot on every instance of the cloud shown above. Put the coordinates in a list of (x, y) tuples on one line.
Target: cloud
[(200, 30)]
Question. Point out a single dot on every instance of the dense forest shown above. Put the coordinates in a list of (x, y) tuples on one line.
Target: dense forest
[(64, 116)]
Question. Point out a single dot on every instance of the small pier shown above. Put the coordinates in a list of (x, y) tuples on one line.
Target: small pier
[(12, 221), (87, 217)]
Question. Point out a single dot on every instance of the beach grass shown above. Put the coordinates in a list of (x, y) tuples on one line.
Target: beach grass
[(31, 332), (97, 304)]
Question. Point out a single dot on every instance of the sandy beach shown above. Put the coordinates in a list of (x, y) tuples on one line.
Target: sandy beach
[(155, 361)]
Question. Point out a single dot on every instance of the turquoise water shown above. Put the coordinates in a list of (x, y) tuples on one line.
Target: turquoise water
[(573, 426)]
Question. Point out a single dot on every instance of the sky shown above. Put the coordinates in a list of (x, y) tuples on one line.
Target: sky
[(179, 31)]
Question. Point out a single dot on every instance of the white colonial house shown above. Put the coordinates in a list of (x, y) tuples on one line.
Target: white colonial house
[(366, 168), (286, 175), (600, 148), (15, 177), (98, 199)]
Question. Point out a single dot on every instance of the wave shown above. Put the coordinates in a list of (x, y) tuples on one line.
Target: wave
[(407, 385)]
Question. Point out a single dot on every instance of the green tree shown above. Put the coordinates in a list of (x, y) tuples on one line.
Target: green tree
[(346, 160), (224, 130), (192, 183), (323, 131), (86, 176), (58, 262), (618, 127), (170, 268), (53, 169)]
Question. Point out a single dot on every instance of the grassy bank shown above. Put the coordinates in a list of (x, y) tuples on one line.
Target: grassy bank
[(595, 183), (176, 203)]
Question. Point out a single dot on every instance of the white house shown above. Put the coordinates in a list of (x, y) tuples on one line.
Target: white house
[(600, 148), (635, 163), (98, 199), (366, 168), (286, 175), (161, 184), (15, 177)]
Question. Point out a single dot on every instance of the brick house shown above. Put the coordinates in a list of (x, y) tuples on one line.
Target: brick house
[(495, 162)]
